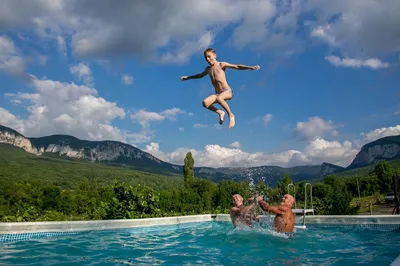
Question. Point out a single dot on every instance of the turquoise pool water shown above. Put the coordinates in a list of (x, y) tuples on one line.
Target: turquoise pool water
[(208, 243)]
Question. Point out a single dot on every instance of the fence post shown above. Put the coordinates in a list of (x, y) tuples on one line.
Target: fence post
[(396, 190)]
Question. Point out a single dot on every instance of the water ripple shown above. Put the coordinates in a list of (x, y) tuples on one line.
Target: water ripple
[(210, 244)]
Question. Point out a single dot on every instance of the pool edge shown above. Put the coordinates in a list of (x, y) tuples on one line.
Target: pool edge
[(85, 225), (396, 262)]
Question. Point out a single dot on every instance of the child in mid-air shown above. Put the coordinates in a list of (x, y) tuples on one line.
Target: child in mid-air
[(223, 92)]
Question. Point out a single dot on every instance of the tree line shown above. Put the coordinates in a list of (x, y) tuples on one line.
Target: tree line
[(46, 201)]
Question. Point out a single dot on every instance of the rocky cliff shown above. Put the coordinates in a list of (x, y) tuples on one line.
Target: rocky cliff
[(387, 148), (64, 145), (12, 137), (118, 153), (328, 168)]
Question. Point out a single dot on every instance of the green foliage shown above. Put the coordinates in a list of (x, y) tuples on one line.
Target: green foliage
[(188, 170), (384, 172), (59, 190), (18, 165), (283, 184)]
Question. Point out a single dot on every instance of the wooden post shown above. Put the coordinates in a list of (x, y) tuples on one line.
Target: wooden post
[(358, 187), (370, 208), (396, 188)]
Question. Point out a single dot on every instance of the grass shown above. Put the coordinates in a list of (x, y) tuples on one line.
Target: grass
[(18, 165)]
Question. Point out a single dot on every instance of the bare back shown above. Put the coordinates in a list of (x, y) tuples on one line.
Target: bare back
[(218, 77)]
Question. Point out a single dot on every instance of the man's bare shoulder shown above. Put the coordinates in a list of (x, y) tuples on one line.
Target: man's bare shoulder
[(235, 209), (285, 208)]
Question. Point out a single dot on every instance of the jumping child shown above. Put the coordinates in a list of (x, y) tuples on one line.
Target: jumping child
[(223, 92)]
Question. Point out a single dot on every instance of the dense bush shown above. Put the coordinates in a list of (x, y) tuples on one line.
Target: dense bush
[(48, 201)]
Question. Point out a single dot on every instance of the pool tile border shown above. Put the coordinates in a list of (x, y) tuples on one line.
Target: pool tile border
[(10, 232)]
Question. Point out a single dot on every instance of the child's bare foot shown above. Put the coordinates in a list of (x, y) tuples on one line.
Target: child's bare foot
[(231, 121), (221, 116)]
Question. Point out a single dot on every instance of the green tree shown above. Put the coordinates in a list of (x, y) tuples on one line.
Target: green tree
[(188, 170), (282, 185), (384, 171)]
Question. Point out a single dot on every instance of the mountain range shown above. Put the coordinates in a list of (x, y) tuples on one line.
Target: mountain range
[(121, 154)]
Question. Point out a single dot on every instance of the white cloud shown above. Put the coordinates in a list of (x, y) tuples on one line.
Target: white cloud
[(189, 48), (57, 107), (144, 118), (181, 129), (10, 120), (324, 32), (377, 134), (127, 79), (267, 118), (373, 63), (154, 149), (235, 145), (215, 126), (141, 137), (359, 29), (62, 46), (11, 60), (339, 153), (83, 73), (314, 128), (200, 126), (316, 152)]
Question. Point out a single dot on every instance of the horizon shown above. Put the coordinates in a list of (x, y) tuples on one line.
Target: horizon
[(328, 82), (201, 166)]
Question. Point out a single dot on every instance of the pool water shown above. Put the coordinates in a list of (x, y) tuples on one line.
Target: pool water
[(207, 243)]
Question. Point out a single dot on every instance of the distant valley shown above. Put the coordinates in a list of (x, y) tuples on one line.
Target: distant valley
[(121, 154)]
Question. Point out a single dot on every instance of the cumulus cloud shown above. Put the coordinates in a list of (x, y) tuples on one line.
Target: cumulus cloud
[(214, 126), (10, 120), (59, 107), (316, 152), (83, 73), (315, 127), (267, 118), (127, 79), (377, 134), (184, 27), (145, 118), (359, 29), (372, 63), (11, 60), (235, 145), (188, 48)]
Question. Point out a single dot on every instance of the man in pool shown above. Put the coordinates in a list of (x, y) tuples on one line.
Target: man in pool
[(223, 92), (241, 214), (284, 219)]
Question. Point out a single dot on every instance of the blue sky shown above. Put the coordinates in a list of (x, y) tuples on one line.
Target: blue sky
[(328, 81)]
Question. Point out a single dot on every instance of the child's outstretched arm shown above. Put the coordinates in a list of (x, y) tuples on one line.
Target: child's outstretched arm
[(197, 76), (238, 66)]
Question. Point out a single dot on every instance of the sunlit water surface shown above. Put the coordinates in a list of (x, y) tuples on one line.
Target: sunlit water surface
[(209, 243)]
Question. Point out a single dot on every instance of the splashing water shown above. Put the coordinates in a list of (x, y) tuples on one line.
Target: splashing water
[(263, 227), (266, 220)]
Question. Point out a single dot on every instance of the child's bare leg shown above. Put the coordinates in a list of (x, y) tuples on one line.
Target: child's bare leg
[(209, 104), (221, 99)]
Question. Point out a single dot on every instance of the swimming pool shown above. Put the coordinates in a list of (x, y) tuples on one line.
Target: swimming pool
[(210, 243)]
